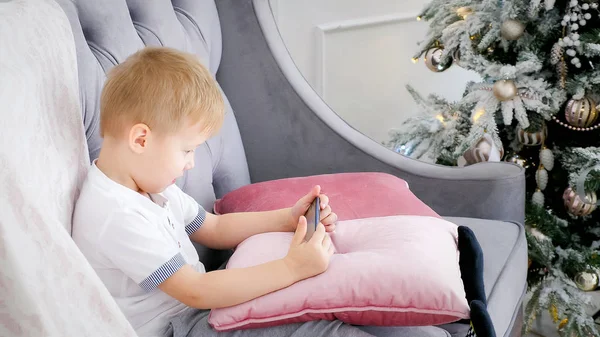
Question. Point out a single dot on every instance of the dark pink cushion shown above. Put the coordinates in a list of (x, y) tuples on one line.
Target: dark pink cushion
[(351, 195)]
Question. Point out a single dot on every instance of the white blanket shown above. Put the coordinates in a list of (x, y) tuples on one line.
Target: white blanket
[(46, 286)]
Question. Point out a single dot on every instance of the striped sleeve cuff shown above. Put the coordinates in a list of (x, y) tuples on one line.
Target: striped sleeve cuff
[(164, 272), (197, 222)]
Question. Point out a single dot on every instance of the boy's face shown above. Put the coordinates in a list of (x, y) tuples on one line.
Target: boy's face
[(166, 157)]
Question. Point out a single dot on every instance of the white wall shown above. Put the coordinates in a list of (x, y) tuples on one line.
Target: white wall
[(357, 55)]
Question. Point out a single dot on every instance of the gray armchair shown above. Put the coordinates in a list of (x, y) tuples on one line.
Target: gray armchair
[(277, 126)]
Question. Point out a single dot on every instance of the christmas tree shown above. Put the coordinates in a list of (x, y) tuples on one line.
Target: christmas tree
[(536, 106)]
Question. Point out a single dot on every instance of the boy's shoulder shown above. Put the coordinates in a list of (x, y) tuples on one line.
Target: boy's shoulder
[(102, 199)]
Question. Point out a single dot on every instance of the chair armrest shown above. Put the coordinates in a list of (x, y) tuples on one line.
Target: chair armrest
[(288, 130)]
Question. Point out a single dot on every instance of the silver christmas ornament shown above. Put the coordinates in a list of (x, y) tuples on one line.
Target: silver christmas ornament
[(541, 178), (529, 138), (516, 158), (586, 280), (538, 198), (433, 60), (512, 29), (581, 113), (579, 207), (505, 90), (547, 158), (456, 57)]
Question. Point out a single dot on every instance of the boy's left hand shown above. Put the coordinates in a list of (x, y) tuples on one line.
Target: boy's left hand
[(328, 217)]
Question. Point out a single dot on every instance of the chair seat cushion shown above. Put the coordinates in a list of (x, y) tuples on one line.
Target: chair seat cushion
[(387, 271), (505, 272)]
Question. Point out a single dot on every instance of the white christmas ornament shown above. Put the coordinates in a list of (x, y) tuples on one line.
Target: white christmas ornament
[(538, 198), (541, 178), (547, 159), (512, 29)]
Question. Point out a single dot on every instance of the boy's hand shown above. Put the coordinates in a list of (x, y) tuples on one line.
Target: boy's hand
[(328, 217), (307, 259)]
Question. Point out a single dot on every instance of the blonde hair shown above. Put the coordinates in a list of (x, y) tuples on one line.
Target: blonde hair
[(163, 88)]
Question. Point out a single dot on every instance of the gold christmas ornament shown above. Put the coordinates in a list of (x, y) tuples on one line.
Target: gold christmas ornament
[(586, 280), (516, 158), (554, 313), (512, 29), (563, 323), (529, 138), (579, 207), (483, 150), (505, 90), (433, 60), (581, 113)]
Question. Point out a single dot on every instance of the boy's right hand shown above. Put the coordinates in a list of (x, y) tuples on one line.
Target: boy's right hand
[(307, 259)]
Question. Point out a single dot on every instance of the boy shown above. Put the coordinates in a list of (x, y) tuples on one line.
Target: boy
[(136, 227)]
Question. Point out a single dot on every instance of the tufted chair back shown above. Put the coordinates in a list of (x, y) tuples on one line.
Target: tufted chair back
[(108, 31)]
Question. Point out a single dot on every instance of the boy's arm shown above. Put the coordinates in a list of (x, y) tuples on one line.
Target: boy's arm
[(223, 288), (229, 230)]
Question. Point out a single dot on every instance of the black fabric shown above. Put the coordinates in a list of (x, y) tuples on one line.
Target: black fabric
[(481, 320), (471, 265), (471, 270)]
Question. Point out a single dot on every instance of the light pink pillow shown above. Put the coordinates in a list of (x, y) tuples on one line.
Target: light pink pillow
[(397, 270), (352, 195)]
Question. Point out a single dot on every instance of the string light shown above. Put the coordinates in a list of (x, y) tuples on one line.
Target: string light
[(464, 12), (480, 112), (441, 119), (419, 18), (414, 60)]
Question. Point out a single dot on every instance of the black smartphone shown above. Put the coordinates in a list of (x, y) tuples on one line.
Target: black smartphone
[(312, 218)]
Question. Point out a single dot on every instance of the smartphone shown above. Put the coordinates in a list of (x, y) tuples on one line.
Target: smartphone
[(312, 218)]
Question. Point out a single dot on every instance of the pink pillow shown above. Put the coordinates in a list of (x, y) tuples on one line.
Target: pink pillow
[(387, 271), (352, 195)]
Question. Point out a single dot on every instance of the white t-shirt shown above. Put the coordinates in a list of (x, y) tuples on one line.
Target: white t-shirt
[(134, 244)]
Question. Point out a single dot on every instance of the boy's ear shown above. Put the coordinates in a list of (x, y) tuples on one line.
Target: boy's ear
[(139, 135)]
